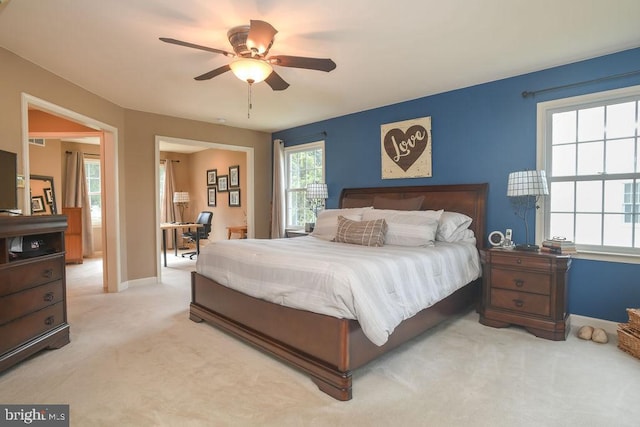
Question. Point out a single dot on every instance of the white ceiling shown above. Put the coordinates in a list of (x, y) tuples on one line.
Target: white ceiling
[(386, 51)]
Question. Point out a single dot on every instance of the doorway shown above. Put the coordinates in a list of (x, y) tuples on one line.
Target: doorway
[(249, 188), (111, 266)]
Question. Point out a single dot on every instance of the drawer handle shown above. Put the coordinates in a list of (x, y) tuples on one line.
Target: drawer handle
[(519, 261), (518, 302), (48, 296), (519, 283), (49, 321), (48, 273)]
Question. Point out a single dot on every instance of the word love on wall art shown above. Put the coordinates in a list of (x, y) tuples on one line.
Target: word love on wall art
[(406, 149)]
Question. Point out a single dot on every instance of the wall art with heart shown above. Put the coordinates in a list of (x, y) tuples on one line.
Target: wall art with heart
[(405, 148)]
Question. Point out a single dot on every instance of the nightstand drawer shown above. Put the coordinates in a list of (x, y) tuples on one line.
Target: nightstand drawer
[(26, 302), (30, 327), (521, 302), (522, 281), (517, 260)]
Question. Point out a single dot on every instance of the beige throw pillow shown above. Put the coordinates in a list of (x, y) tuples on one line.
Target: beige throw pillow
[(365, 233)]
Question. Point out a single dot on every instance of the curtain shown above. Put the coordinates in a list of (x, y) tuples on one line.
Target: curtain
[(76, 195), (278, 202), (167, 208)]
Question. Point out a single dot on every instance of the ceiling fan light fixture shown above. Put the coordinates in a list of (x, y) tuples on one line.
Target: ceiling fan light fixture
[(250, 70)]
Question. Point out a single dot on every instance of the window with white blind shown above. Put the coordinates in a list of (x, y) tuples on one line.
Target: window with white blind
[(304, 164), (589, 147)]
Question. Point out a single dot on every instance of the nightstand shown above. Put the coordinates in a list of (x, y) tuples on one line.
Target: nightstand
[(528, 289), (296, 233)]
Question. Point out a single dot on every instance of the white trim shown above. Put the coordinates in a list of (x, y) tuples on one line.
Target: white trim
[(541, 156), (250, 187), (140, 282), (578, 321), (111, 263)]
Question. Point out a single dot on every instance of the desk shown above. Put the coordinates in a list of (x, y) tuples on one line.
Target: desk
[(237, 229), (174, 226)]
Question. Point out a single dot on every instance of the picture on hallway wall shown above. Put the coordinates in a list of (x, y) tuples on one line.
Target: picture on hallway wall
[(211, 196), (223, 183), (234, 198), (234, 176), (212, 176), (405, 148)]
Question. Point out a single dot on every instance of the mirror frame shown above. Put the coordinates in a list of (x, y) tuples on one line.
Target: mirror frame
[(54, 208)]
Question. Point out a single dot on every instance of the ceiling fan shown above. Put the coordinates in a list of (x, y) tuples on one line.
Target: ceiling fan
[(251, 63)]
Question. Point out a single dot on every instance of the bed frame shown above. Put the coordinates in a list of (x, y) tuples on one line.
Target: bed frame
[(326, 348)]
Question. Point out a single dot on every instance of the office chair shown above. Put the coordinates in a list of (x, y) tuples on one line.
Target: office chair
[(204, 218)]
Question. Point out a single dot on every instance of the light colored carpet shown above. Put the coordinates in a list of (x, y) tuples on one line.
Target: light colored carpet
[(135, 359)]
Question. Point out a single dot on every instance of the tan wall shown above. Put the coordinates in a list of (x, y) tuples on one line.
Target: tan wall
[(136, 152)]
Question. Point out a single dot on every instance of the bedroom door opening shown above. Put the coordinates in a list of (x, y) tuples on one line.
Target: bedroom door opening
[(107, 140), (246, 213)]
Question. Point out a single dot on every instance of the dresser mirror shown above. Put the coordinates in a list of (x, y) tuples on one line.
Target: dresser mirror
[(43, 195)]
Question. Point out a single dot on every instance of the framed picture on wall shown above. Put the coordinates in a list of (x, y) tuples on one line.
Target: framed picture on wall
[(223, 183), (234, 198), (234, 176), (37, 204), (211, 196), (212, 177)]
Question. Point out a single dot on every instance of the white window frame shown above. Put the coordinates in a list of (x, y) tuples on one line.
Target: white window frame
[(95, 221), (296, 149), (544, 163)]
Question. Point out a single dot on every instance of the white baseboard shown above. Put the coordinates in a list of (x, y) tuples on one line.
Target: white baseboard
[(138, 282), (579, 321)]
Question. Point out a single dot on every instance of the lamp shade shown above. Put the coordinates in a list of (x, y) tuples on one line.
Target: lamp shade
[(527, 183), (181, 197), (251, 70), (317, 191)]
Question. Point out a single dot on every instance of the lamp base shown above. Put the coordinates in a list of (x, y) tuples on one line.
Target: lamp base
[(527, 247)]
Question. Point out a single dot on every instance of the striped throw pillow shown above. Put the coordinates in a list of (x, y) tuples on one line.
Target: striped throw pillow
[(365, 233)]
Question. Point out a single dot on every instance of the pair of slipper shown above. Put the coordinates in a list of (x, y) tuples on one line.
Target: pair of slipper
[(594, 334)]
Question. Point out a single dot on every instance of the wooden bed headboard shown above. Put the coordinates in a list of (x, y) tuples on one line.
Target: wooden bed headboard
[(469, 199)]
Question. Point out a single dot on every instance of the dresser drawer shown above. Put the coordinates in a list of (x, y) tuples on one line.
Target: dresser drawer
[(520, 302), (22, 303), (524, 281), (26, 328), (15, 278), (516, 260)]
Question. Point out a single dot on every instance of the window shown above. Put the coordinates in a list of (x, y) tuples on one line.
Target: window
[(304, 164), (589, 147), (92, 174)]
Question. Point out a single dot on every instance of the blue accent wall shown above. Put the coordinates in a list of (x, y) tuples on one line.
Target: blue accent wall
[(480, 134)]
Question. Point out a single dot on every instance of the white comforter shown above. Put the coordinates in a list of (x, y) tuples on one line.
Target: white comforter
[(378, 286)]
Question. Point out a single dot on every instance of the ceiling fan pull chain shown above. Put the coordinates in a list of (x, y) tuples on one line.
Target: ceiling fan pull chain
[(249, 106)]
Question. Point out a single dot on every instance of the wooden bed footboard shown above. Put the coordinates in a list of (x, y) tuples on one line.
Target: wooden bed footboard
[(325, 348)]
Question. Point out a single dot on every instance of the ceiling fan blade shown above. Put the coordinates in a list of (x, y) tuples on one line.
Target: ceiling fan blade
[(320, 64), (260, 36), (195, 46), (211, 74), (276, 82)]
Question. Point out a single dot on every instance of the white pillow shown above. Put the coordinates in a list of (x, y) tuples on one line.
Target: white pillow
[(452, 226), (327, 222), (407, 228)]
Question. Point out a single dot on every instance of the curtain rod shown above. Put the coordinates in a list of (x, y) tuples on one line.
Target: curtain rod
[(86, 154), (323, 133), (174, 161), (526, 93)]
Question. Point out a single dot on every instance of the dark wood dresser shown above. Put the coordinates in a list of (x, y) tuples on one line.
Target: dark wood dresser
[(33, 309), (527, 289)]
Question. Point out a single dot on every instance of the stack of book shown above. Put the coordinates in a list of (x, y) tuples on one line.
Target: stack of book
[(558, 246)]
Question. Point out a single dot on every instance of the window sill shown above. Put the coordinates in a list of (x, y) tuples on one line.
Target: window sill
[(607, 257)]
